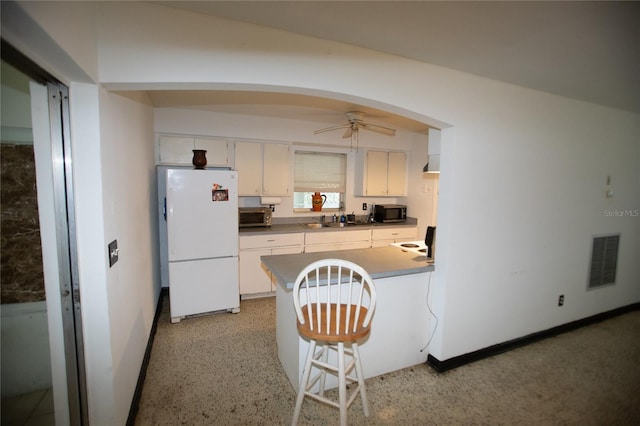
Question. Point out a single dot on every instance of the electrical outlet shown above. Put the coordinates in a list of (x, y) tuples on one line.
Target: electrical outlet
[(561, 300), (364, 206)]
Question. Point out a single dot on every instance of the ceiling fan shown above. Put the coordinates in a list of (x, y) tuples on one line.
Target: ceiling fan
[(355, 121)]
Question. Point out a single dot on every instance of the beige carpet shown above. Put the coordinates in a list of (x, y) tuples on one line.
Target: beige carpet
[(223, 370)]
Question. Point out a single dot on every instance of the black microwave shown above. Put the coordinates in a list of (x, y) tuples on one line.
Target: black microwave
[(386, 213)]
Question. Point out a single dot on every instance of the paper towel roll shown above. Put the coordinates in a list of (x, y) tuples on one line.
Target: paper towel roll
[(269, 200)]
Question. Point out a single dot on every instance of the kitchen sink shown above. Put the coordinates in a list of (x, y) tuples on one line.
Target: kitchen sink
[(318, 225), (314, 225)]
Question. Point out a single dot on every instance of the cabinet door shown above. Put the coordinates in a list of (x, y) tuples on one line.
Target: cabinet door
[(337, 246), (315, 248), (382, 237), (269, 240), (337, 237), (276, 169), (405, 233), (217, 151), (249, 166), (397, 174), (175, 150), (283, 250), (253, 276), (376, 171), (381, 243), (354, 245)]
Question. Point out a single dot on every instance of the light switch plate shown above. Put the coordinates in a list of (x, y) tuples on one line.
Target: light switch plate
[(113, 252)]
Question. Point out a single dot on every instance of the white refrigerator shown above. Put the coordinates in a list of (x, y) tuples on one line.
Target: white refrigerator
[(202, 241)]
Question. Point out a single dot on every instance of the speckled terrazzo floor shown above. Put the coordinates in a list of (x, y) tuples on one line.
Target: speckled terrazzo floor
[(224, 370)]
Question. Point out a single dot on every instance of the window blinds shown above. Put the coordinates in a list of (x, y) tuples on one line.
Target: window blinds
[(319, 171)]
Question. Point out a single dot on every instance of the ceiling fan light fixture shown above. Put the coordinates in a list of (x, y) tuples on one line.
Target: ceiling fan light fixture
[(355, 121), (355, 116)]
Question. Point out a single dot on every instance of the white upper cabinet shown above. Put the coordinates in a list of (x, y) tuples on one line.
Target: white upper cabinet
[(381, 173), (397, 174), (275, 178), (263, 169), (178, 150), (217, 151), (249, 167), (175, 150)]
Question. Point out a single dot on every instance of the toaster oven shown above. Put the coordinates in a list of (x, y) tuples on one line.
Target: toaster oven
[(254, 216)]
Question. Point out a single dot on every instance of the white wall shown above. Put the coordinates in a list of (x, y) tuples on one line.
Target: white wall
[(92, 254), (422, 201), (521, 188), (129, 201)]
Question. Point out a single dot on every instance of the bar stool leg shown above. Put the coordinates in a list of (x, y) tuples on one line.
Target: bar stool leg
[(325, 359), (360, 373), (342, 383), (303, 382)]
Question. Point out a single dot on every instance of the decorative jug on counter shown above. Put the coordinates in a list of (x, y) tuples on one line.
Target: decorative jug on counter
[(317, 201)]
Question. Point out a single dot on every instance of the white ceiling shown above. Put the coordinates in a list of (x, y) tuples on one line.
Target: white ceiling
[(583, 50)]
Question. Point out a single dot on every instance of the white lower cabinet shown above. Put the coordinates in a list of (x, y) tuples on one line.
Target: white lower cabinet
[(255, 279), (338, 240), (334, 247), (381, 237)]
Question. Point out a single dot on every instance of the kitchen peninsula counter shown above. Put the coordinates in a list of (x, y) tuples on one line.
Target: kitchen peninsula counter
[(380, 262), (400, 327)]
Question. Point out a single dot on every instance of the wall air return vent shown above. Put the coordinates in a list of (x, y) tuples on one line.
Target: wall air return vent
[(604, 258)]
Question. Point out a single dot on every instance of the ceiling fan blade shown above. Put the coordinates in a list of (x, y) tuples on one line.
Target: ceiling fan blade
[(347, 133), (380, 129), (328, 129)]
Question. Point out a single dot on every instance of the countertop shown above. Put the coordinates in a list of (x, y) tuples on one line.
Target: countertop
[(292, 227), (380, 262)]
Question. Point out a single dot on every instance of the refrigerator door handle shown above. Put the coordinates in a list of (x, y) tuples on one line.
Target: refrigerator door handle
[(164, 209)]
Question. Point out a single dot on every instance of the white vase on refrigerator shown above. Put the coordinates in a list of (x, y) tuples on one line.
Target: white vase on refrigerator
[(202, 241)]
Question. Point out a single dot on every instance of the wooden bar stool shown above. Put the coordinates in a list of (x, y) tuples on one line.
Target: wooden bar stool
[(334, 301)]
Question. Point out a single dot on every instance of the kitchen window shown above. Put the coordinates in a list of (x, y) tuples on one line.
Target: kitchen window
[(323, 172)]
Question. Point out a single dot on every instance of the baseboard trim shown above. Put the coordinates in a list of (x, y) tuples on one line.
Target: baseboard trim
[(133, 411), (458, 361)]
